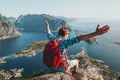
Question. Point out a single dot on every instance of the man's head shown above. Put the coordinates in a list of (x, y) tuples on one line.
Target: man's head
[(64, 32)]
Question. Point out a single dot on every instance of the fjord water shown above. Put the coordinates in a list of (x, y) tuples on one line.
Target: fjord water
[(105, 50), (31, 65)]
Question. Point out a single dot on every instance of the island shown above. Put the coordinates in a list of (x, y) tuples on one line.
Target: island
[(92, 40), (117, 43), (10, 75), (31, 50)]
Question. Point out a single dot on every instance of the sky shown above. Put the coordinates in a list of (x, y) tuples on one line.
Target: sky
[(103, 9)]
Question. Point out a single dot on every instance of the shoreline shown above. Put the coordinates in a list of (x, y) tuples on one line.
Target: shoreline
[(9, 36), (35, 47)]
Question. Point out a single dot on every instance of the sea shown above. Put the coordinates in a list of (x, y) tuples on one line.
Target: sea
[(105, 50)]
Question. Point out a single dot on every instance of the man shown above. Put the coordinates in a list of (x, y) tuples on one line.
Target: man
[(64, 43)]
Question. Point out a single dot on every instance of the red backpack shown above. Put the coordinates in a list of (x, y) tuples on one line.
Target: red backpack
[(52, 56)]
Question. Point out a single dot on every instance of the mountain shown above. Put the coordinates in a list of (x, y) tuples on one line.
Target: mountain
[(12, 19), (36, 22), (7, 29), (89, 68)]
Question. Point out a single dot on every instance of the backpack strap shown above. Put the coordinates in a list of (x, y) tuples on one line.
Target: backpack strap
[(64, 63), (59, 40)]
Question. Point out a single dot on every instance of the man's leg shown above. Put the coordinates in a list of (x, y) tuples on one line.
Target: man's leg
[(73, 64)]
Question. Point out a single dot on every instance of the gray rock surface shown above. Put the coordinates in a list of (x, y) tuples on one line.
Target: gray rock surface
[(7, 29), (89, 69)]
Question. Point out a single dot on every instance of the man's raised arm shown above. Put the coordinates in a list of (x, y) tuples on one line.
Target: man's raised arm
[(48, 27), (99, 31)]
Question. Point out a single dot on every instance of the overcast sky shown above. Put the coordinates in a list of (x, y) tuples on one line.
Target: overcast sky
[(104, 9)]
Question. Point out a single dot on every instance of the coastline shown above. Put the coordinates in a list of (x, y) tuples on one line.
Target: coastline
[(86, 63), (11, 36), (89, 68)]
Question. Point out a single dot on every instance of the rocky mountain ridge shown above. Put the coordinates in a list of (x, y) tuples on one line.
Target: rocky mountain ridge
[(7, 29), (36, 22), (89, 69)]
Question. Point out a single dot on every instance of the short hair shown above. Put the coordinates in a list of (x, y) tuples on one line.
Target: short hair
[(63, 30)]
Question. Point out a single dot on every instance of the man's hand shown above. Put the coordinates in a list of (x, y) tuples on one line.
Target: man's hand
[(46, 23), (102, 30), (47, 26)]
